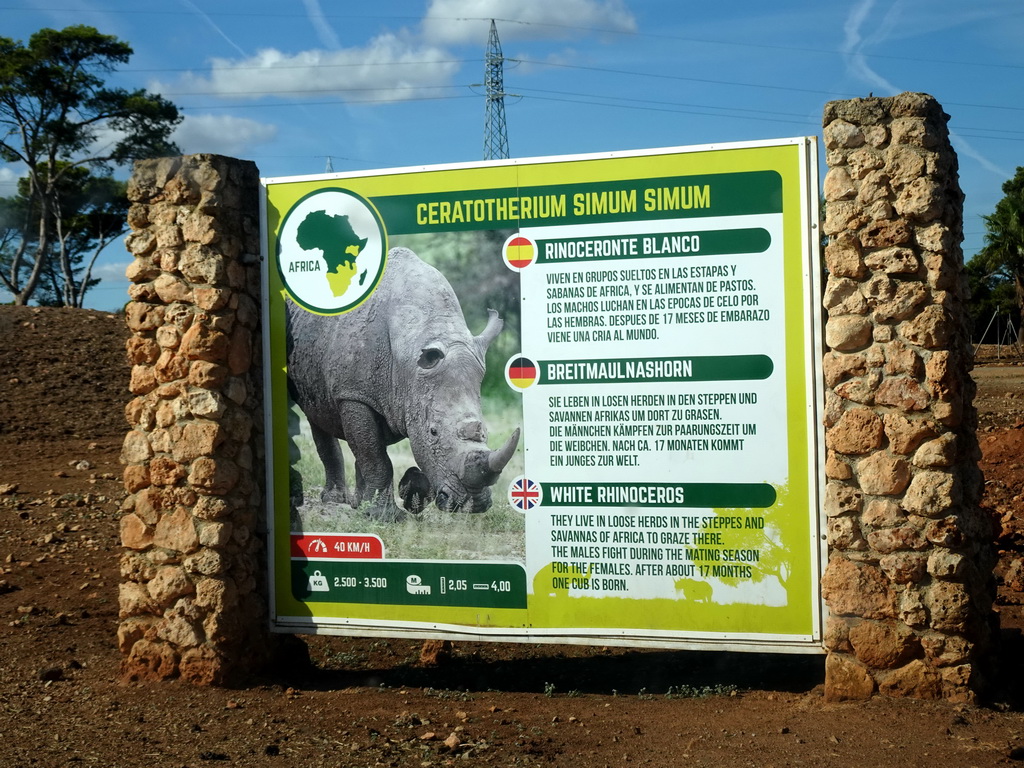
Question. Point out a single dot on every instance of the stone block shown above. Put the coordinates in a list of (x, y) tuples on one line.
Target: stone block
[(134, 599), (142, 350), (842, 499), (930, 329), (848, 333), (168, 584), (882, 474), (842, 257), (932, 494), (170, 289), (838, 185), (203, 666), (847, 679), (200, 342), (206, 404), (949, 607), (883, 513), (136, 448), (858, 431), (136, 477), (857, 589), (916, 680), (883, 645), (150, 661), (943, 564), (904, 393), (135, 534), (940, 452), (176, 532), (904, 434), (143, 317), (904, 537), (886, 234), (142, 381), (904, 567), (843, 297)]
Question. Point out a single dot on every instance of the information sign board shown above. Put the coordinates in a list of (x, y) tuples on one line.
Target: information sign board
[(578, 399)]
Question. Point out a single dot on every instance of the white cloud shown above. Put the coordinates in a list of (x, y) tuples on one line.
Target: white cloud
[(111, 272), (387, 68), (9, 179), (221, 134), (466, 21)]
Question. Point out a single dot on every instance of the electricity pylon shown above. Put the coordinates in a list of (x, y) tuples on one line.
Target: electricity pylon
[(495, 130)]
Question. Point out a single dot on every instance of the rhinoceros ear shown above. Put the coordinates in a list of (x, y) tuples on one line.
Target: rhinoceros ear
[(492, 329)]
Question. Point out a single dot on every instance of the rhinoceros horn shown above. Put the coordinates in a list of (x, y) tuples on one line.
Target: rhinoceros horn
[(497, 460), (492, 329), (483, 467)]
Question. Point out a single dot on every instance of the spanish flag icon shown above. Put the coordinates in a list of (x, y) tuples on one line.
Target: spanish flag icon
[(519, 252), (521, 372)]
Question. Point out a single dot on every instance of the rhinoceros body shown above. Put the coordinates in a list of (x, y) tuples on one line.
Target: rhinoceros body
[(402, 364)]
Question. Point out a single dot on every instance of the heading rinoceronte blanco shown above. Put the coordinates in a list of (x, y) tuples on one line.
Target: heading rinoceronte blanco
[(557, 206)]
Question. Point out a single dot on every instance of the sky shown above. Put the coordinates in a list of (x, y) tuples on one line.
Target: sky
[(314, 85)]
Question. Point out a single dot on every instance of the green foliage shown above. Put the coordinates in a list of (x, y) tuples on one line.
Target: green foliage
[(60, 122), (1001, 261), (93, 214), (992, 296)]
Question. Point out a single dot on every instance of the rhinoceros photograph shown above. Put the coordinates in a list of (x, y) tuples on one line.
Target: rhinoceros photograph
[(389, 430)]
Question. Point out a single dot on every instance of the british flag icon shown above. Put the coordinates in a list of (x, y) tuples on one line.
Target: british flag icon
[(524, 494)]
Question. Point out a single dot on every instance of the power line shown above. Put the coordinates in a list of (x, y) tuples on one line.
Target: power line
[(595, 30), (602, 70)]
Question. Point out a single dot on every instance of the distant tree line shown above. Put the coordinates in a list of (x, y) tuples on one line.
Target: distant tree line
[(996, 273)]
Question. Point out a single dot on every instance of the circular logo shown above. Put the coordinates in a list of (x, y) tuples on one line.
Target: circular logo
[(520, 372), (524, 494), (519, 252), (331, 250)]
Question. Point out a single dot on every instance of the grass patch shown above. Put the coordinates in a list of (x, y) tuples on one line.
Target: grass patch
[(498, 534)]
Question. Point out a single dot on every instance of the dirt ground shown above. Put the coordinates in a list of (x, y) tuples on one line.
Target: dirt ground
[(343, 702)]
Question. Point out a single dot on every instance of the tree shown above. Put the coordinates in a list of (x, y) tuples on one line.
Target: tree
[(97, 208), (68, 130), (1002, 258)]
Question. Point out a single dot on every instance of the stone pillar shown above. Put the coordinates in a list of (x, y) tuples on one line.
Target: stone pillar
[(193, 591), (909, 579)]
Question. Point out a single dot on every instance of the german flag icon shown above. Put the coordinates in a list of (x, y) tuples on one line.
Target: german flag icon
[(521, 372), (519, 252)]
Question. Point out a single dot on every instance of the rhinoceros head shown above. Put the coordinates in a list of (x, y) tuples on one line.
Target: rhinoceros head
[(445, 423)]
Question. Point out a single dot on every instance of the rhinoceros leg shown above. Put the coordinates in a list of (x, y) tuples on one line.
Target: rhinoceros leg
[(374, 472), (329, 449), (415, 490)]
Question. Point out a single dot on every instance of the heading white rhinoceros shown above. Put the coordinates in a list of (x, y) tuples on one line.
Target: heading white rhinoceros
[(402, 364)]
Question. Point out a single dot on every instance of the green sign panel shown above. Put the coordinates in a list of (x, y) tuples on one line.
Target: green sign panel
[(561, 399)]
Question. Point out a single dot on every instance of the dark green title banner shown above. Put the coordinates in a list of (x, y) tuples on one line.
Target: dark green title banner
[(706, 495), (725, 242), (657, 369), (387, 582), (674, 197)]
